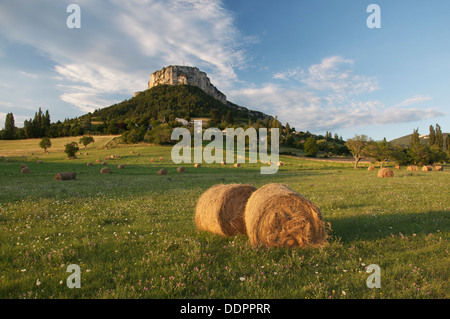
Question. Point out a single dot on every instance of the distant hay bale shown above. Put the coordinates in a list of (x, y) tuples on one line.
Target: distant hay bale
[(277, 216), (397, 166), (280, 163), (438, 168), (181, 169), (161, 159), (105, 170), (412, 168), (86, 153), (427, 168), (25, 170), (221, 208), (131, 152), (385, 172), (371, 168), (162, 172), (223, 163), (237, 165), (197, 165), (98, 161), (138, 154), (121, 166), (89, 164), (105, 163), (22, 166), (152, 160), (39, 162), (65, 176), (269, 163)]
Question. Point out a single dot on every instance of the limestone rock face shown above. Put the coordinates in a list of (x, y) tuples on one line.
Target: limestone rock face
[(176, 74)]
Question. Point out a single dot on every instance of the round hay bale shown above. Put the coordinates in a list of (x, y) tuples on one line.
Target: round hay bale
[(25, 170), (105, 163), (39, 162), (223, 163), (412, 168), (138, 154), (162, 172), (161, 159), (277, 216), (197, 165), (269, 163), (22, 166), (86, 153), (105, 170), (98, 161), (121, 166), (131, 152), (397, 167), (181, 169), (385, 172), (65, 176), (237, 165), (280, 163), (438, 168), (427, 168), (221, 208), (89, 164), (371, 168), (152, 160)]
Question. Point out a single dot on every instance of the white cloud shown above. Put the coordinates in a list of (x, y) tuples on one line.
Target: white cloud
[(414, 100), (328, 96), (121, 43)]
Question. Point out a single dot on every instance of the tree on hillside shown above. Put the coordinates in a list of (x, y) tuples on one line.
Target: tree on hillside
[(439, 137), (311, 148), (9, 133), (432, 136), (86, 140), (415, 138), (380, 151), (71, 149), (357, 147), (45, 144)]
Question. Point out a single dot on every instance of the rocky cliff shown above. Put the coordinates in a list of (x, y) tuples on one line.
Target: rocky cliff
[(176, 74)]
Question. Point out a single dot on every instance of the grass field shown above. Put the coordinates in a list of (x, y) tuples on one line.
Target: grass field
[(133, 234)]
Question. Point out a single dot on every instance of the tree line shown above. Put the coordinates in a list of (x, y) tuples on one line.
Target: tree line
[(436, 150)]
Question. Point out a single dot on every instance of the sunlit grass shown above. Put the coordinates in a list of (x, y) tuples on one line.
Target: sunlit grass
[(132, 232)]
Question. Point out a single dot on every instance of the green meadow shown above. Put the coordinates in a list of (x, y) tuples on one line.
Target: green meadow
[(133, 234)]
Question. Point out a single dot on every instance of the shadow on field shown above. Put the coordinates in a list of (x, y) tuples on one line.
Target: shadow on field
[(376, 226)]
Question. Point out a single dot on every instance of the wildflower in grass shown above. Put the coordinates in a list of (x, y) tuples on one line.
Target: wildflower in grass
[(242, 278), (38, 283)]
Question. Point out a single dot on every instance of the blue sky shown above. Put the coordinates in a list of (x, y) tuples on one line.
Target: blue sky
[(314, 64)]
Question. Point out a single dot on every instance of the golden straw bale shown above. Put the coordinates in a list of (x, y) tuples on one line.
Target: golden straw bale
[(277, 216), (438, 168), (371, 168), (237, 165), (220, 209), (412, 168), (65, 176), (89, 164), (197, 165), (385, 172), (162, 172), (121, 166), (427, 168), (25, 170), (105, 170), (181, 169)]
